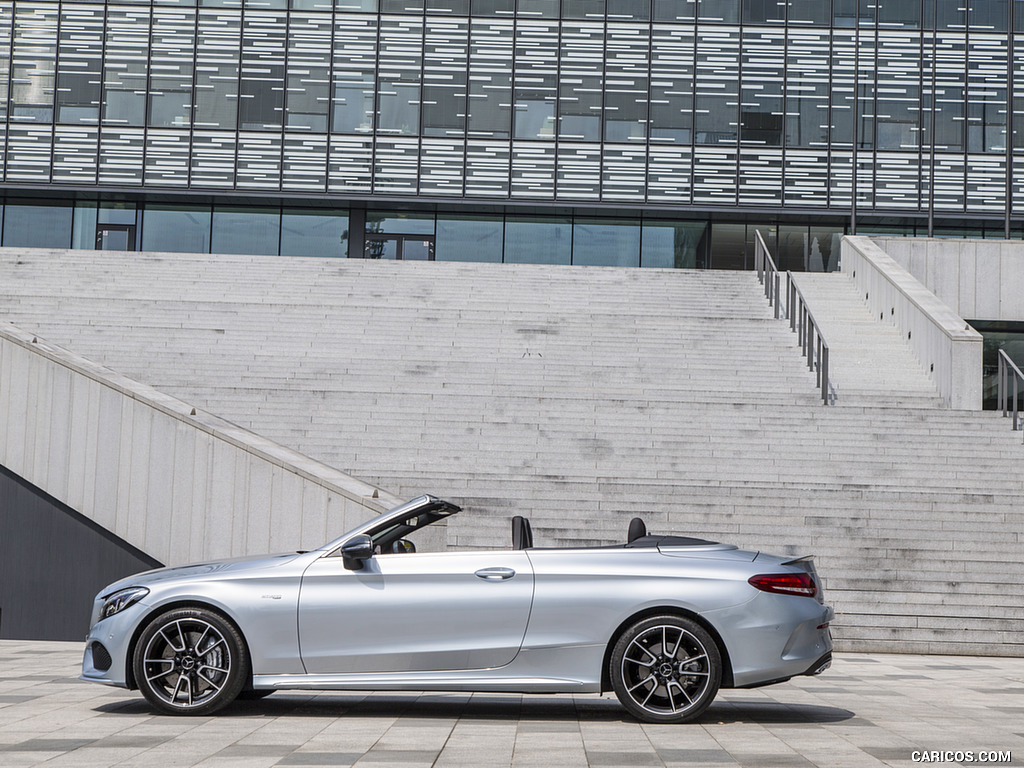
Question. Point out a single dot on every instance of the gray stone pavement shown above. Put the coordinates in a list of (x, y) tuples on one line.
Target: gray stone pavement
[(868, 710)]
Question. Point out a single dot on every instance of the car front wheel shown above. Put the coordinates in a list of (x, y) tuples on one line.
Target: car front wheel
[(666, 669), (190, 661)]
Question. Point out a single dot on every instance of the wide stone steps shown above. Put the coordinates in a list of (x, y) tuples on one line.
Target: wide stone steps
[(581, 398)]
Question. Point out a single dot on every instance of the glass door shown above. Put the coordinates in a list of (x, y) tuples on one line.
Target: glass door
[(399, 247), (115, 237)]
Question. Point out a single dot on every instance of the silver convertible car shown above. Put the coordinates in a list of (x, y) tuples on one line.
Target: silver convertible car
[(664, 621)]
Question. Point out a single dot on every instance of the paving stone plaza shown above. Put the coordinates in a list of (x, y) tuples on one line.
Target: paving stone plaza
[(868, 710)]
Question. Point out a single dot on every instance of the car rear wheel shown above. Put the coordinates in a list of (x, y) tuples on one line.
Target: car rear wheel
[(666, 669), (190, 661)]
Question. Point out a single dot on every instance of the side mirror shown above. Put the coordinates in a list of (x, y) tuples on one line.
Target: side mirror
[(402, 547), (356, 550)]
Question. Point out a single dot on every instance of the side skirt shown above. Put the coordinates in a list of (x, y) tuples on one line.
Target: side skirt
[(424, 681)]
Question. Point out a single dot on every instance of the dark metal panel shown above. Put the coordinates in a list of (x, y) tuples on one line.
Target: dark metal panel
[(53, 561)]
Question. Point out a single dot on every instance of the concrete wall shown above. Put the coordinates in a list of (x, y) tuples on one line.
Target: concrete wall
[(978, 279), (178, 484), (948, 348)]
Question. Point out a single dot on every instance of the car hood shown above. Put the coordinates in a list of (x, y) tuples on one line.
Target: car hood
[(233, 565)]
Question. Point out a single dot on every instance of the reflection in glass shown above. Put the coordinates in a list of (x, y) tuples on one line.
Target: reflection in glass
[(673, 244), (33, 63), (307, 96), (217, 69), (37, 226), (126, 66), (245, 230), (538, 240), (78, 72), (606, 242), (83, 227), (170, 82), (314, 233), (398, 87), (469, 238), (176, 228), (396, 223), (490, 87)]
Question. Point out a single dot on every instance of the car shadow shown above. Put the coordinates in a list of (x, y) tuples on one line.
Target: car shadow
[(559, 709)]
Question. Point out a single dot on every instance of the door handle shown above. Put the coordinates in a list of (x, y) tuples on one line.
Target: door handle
[(495, 574)]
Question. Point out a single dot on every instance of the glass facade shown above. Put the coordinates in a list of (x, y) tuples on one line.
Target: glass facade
[(602, 116)]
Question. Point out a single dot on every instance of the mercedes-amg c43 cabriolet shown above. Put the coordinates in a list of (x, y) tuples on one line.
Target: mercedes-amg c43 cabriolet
[(663, 621)]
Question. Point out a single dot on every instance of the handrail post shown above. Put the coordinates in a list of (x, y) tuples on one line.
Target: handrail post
[(1000, 384), (824, 374)]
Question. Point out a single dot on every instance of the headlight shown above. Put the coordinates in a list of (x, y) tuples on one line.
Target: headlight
[(121, 599)]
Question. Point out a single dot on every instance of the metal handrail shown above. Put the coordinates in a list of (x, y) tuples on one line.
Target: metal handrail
[(813, 344), (769, 275), (1006, 366)]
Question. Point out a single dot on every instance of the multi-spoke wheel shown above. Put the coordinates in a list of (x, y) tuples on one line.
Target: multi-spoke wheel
[(190, 661), (666, 669)]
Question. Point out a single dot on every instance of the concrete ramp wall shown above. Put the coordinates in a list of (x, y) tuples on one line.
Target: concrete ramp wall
[(179, 484)]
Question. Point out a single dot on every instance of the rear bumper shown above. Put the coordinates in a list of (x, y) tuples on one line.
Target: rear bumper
[(775, 637)]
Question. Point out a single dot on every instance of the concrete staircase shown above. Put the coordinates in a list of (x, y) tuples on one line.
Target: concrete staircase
[(579, 397), (868, 362)]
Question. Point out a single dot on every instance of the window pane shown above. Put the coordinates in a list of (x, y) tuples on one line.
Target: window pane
[(355, 51), (629, 10), (245, 230), (606, 242), (764, 11), (490, 89), (675, 10), (83, 228), (987, 58), (309, 72), (536, 79), (398, 87), (393, 223), (314, 233), (78, 73), (626, 67), (170, 83), (809, 12), (716, 114), (672, 84), (950, 68), (125, 67), (678, 244), (580, 81), (176, 228), (761, 116), (719, 10), (444, 77), (898, 93), (261, 90), (468, 238), (807, 88), (217, 69), (538, 240), (988, 15), (33, 63), (37, 226), (899, 13)]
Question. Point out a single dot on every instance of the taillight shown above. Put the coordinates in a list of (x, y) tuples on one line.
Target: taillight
[(785, 583)]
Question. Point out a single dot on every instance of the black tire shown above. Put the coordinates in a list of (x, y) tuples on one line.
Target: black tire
[(665, 669), (190, 661)]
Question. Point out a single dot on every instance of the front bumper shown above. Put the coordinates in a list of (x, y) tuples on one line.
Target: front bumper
[(114, 635)]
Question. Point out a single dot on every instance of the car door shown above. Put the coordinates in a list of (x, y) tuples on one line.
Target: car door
[(415, 612)]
